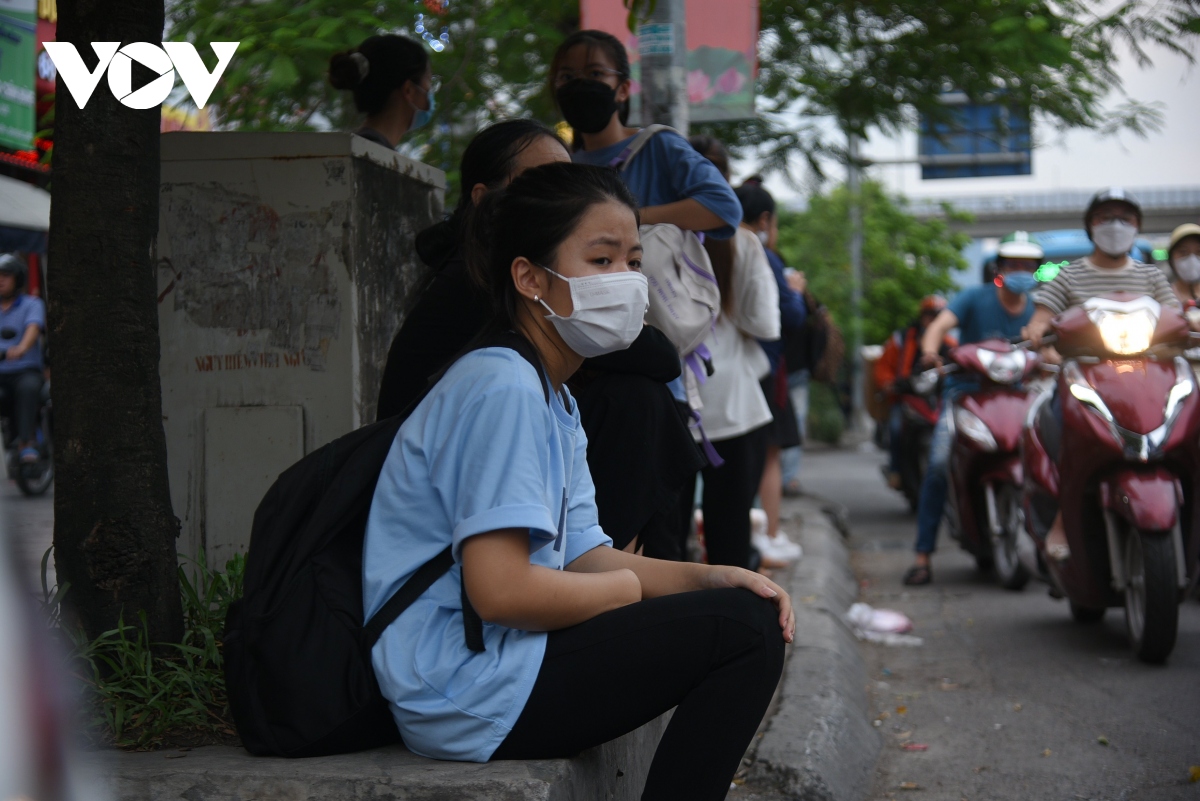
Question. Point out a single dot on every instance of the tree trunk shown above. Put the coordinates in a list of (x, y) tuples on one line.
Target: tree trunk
[(114, 529)]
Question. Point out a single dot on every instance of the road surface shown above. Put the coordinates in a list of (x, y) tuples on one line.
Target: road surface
[(1009, 696)]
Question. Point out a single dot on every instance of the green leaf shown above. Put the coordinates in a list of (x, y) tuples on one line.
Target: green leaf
[(283, 72)]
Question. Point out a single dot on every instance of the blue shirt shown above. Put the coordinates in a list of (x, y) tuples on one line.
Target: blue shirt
[(483, 451), (668, 169), (793, 311), (24, 311), (981, 316)]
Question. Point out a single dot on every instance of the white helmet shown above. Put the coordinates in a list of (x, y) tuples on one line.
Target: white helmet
[(1018, 245)]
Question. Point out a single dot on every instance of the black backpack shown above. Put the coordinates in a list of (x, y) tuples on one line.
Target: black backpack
[(297, 650)]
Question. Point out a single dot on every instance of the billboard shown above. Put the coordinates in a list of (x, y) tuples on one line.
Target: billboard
[(722, 53), (18, 32), (978, 140)]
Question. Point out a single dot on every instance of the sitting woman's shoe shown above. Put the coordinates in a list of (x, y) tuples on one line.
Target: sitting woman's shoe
[(918, 575)]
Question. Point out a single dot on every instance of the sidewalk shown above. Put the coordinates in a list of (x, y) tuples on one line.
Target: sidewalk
[(818, 745)]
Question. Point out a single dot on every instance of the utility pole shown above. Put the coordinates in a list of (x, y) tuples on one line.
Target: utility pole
[(662, 46), (853, 183)]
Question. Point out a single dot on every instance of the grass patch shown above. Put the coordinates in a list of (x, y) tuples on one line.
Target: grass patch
[(142, 695)]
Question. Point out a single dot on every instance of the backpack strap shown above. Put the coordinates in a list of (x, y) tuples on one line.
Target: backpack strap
[(639, 141), (439, 565)]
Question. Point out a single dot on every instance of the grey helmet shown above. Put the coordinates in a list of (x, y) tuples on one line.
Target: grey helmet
[(15, 266), (1113, 193)]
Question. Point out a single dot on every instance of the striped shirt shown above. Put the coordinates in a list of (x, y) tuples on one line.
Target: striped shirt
[(1082, 279)]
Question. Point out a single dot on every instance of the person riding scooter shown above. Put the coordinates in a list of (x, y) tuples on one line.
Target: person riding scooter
[(892, 372), (1183, 257), (999, 309), (22, 321), (1112, 221)]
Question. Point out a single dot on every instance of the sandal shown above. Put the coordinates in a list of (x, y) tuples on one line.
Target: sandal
[(918, 575)]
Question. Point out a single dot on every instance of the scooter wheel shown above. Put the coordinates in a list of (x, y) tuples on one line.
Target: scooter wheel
[(1152, 596), (1086, 614)]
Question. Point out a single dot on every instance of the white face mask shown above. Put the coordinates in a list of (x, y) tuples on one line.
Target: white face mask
[(1114, 237), (764, 237), (1188, 268), (608, 312)]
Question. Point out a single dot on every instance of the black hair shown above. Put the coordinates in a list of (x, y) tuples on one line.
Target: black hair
[(489, 159), (712, 149), (612, 47), (531, 217), (376, 68), (755, 201)]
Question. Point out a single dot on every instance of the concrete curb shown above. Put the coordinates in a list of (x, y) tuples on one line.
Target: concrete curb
[(819, 745), (615, 771)]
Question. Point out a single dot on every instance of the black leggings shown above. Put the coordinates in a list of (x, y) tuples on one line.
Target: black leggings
[(728, 494), (714, 655)]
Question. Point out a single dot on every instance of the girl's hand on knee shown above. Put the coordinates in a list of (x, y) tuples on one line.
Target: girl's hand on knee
[(763, 587)]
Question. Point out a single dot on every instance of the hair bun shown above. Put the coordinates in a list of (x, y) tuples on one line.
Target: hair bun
[(347, 70)]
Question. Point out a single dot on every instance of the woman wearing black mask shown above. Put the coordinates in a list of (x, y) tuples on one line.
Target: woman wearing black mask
[(589, 77)]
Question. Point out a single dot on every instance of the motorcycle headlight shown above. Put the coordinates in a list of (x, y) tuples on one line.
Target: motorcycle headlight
[(1003, 368), (970, 424), (1125, 333)]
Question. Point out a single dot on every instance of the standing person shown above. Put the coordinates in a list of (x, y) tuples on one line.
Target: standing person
[(590, 82), (393, 85), (22, 321), (892, 372), (1183, 257), (674, 184), (758, 216), (492, 463), (737, 417), (1000, 309), (1112, 221)]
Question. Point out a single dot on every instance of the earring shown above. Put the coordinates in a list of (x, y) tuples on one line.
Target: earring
[(535, 298)]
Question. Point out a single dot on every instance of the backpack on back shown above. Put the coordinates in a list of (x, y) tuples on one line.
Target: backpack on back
[(297, 649), (684, 298)]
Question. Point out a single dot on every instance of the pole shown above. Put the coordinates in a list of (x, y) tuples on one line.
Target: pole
[(662, 46), (853, 183)]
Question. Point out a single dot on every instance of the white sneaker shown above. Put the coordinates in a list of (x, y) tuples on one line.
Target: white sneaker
[(779, 548)]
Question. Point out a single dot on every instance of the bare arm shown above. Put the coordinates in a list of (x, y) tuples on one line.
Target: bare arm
[(689, 214), (658, 577), (935, 335), (32, 332), (1039, 324), (505, 588)]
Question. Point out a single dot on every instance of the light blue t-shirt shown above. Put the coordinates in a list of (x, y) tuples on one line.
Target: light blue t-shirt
[(483, 451), (668, 169), (24, 311)]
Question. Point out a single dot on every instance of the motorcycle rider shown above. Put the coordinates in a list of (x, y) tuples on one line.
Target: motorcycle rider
[(1183, 256), (1112, 221), (22, 320), (892, 371), (999, 309)]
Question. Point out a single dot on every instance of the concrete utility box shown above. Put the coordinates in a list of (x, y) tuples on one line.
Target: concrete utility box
[(286, 265)]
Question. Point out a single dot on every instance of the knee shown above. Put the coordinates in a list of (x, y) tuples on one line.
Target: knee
[(29, 383), (757, 613)]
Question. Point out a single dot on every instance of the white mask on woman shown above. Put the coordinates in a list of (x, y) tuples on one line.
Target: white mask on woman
[(1114, 237), (608, 312), (1188, 268)]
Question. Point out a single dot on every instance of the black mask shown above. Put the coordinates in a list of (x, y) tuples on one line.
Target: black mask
[(586, 105)]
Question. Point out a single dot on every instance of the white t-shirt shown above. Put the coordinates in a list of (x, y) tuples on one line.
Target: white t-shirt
[(733, 400)]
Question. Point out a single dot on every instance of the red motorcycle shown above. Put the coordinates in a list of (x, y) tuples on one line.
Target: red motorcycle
[(1126, 476), (984, 513)]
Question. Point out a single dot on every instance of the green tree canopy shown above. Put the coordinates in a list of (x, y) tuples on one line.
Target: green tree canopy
[(877, 63), (904, 258)]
